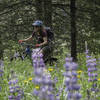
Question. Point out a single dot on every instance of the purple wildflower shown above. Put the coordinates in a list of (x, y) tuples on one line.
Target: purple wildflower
[(42, 79), (71, 80), (37, 58), (91, 64), (14, 88), (46, 85)]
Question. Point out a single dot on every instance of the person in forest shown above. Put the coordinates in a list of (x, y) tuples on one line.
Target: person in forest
[(42, 40)]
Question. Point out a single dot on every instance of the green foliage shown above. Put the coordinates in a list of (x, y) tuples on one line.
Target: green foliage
[(16, 18), (24, 72)]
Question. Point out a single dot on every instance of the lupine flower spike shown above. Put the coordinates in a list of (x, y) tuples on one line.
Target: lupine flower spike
[(44, 86), (72, 88), (16, 93), (92, 72)]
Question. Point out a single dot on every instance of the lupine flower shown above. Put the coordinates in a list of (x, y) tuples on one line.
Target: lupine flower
[(14, 88), (37, 58), (91, 65), (1, 68), (71, 80), (44, 86), (55, 79), (92, 75)]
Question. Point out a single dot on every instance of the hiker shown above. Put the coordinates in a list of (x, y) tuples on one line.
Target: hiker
[(42, 38)]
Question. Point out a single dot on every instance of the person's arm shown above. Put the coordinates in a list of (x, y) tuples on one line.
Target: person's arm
[(28, 39), (45, 41)]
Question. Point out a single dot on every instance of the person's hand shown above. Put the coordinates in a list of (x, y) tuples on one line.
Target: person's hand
[(20, 41), (37, 45)]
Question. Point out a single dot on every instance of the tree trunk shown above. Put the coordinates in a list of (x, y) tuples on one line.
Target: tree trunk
[(48, 13), (39, 9), (73, 29)]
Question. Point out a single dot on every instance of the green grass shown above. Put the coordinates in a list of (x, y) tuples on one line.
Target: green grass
[(24, 71)]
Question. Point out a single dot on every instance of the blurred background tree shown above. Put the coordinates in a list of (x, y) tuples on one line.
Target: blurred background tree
[(73, 23)]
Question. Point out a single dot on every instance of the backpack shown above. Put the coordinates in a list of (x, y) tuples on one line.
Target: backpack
[(50, 34)]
